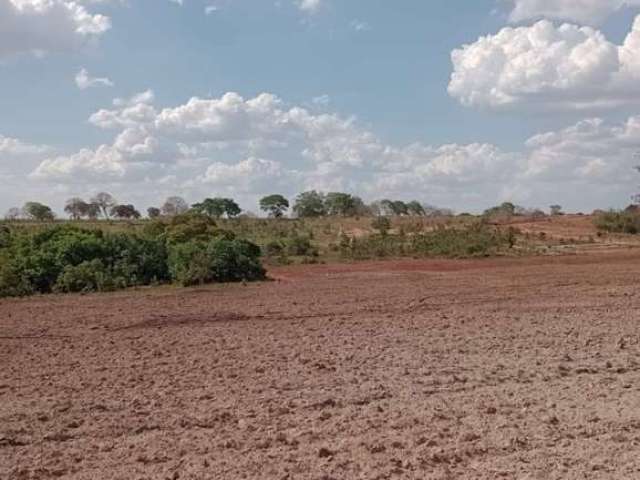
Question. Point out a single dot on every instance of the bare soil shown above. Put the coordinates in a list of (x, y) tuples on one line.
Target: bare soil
[(512, 368)]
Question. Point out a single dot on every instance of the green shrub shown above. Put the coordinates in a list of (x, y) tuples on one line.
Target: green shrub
[(5, 236), (219, 260), (300, 246), (71, 259), (13, 281), (194, 226), (88, 276), (618, 222)]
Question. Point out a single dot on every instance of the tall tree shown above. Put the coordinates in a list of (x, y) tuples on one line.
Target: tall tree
[(275, 205), (217, 207), (309, 204), (76, 208), (153, 212), (38, 211), (339, 204), (125, 212), (105, 201)]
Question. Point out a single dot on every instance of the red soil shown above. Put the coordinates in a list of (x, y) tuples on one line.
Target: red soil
[(505, 368)]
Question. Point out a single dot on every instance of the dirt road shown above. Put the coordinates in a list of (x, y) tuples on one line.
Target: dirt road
[(515, 369)]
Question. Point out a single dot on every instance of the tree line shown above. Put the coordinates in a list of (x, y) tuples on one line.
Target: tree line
[(310, 204)]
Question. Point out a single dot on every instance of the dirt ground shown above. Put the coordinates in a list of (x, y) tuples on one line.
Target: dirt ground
[(515, 368)]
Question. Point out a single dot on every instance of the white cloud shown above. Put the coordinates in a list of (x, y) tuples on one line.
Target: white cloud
[(84, 80), (40, 26), (14, 146), (310, 6), (586, 12), (547, 66), (249, 147)]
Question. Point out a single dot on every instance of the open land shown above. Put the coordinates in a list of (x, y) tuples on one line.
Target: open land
[(516, 368)]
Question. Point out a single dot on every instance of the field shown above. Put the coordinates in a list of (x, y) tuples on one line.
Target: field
[(517, 368)]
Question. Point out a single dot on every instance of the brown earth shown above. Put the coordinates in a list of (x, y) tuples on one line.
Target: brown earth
[(512, 368)]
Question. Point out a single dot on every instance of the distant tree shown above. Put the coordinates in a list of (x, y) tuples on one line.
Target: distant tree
[(393, 208), (77, 208), (416, 209), (105, 201), (339, 204), (153, 212), (360, 209), (381, 224), (218, 207), (93, 211), (275, 205), (174, 206), (125, 212), (309, 204), (555, 210), (399, 208), (14, 213), (506, 209), (38, 211)]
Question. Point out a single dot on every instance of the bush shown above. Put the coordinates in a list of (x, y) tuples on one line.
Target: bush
[(300, 246), (70, 259), (219, 260), (86, 277), (618, 222)]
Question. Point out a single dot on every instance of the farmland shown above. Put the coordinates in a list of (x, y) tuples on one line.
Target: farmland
[(505, 367)]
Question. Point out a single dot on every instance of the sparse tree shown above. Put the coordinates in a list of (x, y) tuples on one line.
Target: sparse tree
[(309, 204), (14, 213), (76, 208), (275, 205), (38, 211), (127, 212), (174, 206), (555, 210), (218, 207), (105, 201), (153, 212)]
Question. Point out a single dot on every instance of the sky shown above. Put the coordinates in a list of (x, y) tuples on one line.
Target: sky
[(460, 104)]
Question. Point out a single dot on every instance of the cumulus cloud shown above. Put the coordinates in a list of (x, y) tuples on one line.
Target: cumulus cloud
[(246, 148), (40, 26), (586, 12), (84, 80), (547, 66), (14, 146)]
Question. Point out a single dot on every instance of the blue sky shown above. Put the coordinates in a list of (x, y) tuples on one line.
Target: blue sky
[(376, 75)]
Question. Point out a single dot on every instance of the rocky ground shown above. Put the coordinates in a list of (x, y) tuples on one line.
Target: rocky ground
[(515, 369)]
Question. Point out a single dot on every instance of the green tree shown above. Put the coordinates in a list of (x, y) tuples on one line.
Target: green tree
[(76, 208), (416, 209), (556, 210), (38, 211), (275, 205), (340, 204), (310, 204), (125, 212), (218, 207), (153, 212)]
